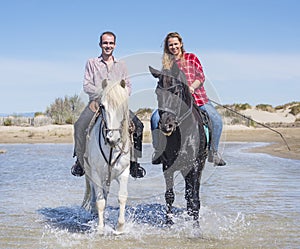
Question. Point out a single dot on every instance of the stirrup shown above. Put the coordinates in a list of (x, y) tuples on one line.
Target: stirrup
[(136, 171)]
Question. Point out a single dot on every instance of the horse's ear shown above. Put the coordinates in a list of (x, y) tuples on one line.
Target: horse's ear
[(154, 72), (175, 70), (104, 83), (123, 83)]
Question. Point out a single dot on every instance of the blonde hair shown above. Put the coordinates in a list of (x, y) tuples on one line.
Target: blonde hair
[(168, 57)]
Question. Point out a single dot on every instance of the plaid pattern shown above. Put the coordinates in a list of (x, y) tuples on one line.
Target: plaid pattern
[(193, 70)]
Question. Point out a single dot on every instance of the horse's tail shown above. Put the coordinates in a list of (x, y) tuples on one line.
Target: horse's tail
[(87, 195)]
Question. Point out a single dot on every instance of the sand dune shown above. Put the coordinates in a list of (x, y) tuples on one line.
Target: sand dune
[(64, 134), (277, 147)]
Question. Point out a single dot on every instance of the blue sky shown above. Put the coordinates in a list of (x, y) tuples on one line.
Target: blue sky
[(250, 49)]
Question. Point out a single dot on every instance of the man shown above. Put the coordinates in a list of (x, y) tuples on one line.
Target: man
[(97, 69)]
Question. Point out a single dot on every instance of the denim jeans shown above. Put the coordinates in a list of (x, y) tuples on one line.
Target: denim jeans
[(154, 128), (215, 117), (217, 124)]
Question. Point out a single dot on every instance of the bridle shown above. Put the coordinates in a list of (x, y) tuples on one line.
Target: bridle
[(102, 135), (181, 94), (105, 131)]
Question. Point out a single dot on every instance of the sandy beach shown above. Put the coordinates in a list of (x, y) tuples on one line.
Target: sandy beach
[(64, 134)]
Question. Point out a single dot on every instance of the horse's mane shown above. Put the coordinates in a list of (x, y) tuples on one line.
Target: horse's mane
[(117, 98)]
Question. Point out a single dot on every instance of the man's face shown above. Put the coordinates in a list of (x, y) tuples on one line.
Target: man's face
[(107, 45)]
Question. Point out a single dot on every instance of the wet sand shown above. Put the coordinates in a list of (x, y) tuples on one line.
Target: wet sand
[(64, 134)]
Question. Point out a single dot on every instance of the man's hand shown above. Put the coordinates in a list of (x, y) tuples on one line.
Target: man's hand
[(94, 106)]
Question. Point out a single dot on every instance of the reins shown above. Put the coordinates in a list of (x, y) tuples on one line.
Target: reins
[(225, 107), (109, 161), (166, 109)]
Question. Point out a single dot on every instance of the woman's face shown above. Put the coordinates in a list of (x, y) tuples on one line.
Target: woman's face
[(174, 46)]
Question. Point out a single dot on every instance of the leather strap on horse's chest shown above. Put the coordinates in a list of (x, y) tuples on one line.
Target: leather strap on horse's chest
[(110, 164)]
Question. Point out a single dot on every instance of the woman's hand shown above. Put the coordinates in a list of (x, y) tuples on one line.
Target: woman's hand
[(192, 90)]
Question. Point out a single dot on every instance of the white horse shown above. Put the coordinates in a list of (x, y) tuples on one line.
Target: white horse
[(107, 155)]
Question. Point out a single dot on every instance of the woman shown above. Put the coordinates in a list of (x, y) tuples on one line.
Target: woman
[(191, 66)]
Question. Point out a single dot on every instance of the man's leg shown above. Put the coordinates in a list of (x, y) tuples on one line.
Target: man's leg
[(136, 170), (80, 132)]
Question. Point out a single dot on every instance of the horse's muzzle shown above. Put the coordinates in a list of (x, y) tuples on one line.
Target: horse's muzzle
[(168, 129)]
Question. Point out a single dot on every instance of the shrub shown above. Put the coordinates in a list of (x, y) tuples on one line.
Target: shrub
[(65, 111), (7, 122), (295, 109), (36, 114), (242, 107), (265, 107)]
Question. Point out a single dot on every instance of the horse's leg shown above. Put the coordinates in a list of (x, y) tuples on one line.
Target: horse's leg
[(100, 203), (87, 195), (188, 192), (192, 194), (122, 200), (169, 195)]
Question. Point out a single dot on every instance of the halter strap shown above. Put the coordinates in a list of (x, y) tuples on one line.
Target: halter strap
[(109, 161)]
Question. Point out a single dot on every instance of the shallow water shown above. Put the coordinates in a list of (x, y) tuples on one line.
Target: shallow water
[(251, 203)]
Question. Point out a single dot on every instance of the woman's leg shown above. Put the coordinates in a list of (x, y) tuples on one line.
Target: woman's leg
[(217, 126), (155, 137)]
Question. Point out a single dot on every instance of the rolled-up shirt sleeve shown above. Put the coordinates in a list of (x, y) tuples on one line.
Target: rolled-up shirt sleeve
[(89, 83), (199, 74)]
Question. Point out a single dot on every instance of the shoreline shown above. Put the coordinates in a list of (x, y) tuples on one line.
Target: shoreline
[(64, 134)]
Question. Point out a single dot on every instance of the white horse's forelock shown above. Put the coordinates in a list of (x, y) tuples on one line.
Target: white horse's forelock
[(117, 98)]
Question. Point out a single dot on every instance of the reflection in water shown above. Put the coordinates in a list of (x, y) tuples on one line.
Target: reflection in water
[(252, 203)]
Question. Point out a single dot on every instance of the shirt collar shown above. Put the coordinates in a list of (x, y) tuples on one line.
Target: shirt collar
[(101, 59)]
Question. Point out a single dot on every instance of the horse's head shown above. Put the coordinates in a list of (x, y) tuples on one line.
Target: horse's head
[(174, 98), (114, 111)]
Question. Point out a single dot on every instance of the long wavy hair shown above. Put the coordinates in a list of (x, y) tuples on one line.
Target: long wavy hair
[(168, 57)]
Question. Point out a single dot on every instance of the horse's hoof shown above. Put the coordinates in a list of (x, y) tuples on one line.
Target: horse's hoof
[(100, 231), (169, 221), (196, 224), (119, 230)]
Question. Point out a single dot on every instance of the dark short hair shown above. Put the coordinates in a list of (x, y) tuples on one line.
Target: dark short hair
[(107, 33)]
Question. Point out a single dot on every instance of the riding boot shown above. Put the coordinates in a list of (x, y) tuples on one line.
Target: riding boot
[(136, 171), (77, 169), (215, 158)]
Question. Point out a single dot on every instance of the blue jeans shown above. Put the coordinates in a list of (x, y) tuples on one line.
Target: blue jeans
[(215, 118), (154, 128), (216, 122)]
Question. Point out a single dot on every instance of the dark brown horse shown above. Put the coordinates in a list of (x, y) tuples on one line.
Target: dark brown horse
[(182, 136)]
